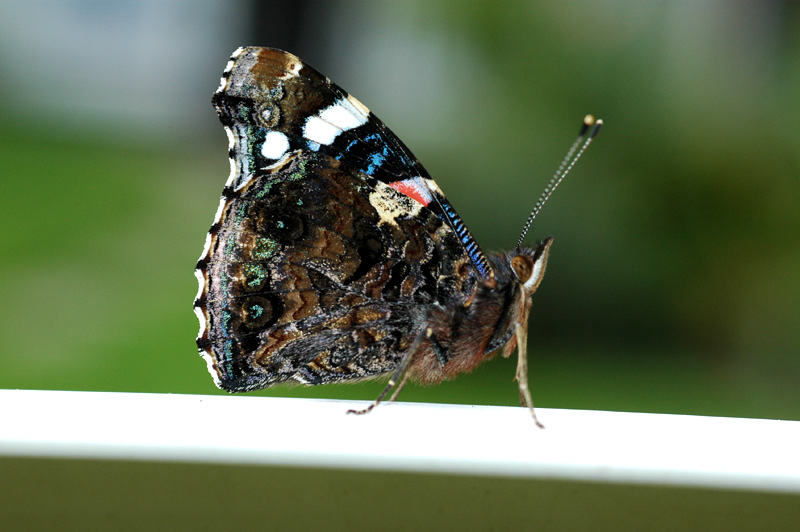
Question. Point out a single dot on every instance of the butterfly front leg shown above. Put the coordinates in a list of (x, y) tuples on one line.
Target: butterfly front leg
[(521, 376)]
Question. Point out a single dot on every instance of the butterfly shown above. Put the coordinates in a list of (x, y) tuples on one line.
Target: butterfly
[(334, 256)]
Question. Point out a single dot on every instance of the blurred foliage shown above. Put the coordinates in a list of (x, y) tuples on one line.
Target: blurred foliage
[(673, 284)]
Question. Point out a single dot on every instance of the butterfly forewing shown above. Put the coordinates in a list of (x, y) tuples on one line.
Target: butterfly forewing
[(272, 104)]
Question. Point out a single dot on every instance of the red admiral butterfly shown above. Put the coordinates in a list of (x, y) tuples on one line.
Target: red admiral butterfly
[(335, 257)]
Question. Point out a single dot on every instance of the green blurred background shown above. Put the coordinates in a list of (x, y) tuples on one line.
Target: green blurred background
[(674, 280)]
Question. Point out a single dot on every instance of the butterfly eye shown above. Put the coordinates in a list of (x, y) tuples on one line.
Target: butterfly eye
[(523, 267)]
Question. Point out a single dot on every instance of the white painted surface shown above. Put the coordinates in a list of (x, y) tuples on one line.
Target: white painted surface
[(725, 453)]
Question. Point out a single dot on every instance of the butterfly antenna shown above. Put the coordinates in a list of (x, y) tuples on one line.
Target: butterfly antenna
[(589, 130)]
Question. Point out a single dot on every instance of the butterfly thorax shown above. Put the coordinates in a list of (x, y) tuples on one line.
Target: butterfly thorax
[(465, 334)]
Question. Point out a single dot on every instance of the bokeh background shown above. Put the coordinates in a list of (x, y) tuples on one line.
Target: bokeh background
[(674, 280)]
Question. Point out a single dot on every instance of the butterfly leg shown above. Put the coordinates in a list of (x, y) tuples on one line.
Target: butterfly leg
[(400, 376), (398, 388), (525, 398)]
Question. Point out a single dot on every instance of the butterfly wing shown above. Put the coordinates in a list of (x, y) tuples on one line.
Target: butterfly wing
[(330, 239), (318, 273)]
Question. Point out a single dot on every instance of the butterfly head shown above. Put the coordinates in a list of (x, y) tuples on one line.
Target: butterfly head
[(528, 264)]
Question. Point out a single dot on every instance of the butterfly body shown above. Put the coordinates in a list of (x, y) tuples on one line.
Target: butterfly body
[(334, 256)]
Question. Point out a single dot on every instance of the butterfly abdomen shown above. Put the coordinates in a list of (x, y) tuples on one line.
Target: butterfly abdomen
[(465, 334)]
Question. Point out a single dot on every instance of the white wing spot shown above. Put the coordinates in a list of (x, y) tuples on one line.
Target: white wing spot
[(341, 116), (275, 145), (319, 131)]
